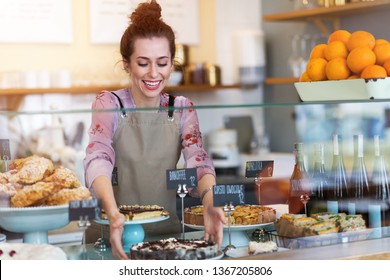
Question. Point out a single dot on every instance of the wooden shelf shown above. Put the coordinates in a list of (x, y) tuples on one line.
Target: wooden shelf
[(333, 13), (14, 96), (280, 80)]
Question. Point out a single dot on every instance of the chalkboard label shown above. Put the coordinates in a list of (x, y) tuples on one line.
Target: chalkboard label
[(83, 209), (255, 169), (186, 176), (223, 194), (5, 151)]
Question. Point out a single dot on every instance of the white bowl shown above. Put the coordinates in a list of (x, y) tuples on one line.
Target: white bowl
[(175, 78)]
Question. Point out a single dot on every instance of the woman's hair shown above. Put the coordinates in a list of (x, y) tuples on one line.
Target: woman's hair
[(146, 22)]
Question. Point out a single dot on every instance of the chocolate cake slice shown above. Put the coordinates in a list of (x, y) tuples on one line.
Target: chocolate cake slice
[(174, 249)]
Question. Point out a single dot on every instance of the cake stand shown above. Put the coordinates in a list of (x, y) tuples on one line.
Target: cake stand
[(239, 237), (133, 231), (34, 222)]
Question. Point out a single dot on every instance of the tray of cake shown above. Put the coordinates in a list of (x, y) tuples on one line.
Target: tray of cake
[(241, 216), (296, 231)]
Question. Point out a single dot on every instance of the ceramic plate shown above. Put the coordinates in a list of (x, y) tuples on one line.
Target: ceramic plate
[(219, 256), (243, 252), (137, 222), (357, 89), (232, 228)]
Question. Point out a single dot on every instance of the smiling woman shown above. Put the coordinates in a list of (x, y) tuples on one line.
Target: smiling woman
[(127, 146)]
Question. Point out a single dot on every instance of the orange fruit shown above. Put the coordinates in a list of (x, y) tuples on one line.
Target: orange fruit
[(318, 51), (380, 41), (304, 77), (339, 35), (386, 65), (360, 58), (352, 77), (315, 69), (360, 38), (335, 49), (337, 69), (374, 71), (382, 52)]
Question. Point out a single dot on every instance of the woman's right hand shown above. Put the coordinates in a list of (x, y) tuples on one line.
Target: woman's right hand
[(117, 222)]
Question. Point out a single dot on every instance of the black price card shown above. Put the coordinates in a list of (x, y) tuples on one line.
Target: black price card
[(5, 151), (83, 209), (223, 194), (255, 169), (186, 176)]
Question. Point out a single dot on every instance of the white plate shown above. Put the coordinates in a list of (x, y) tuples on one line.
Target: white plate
[(219, 256), (137, 222), (232, 228), (356, 89), (243, 252)]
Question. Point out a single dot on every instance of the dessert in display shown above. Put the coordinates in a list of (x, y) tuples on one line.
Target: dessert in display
[(139, 212), (36, 181), (255, 247), (299, 225), (25, 251), (174, 249), (242, 215)]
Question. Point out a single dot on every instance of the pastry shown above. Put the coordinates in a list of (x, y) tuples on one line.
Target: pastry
[(64, 177), (33, 195), (31, 169), (241, 215), (174, 249), (142, 212), (63, 196), (255, 247), (25, 251)]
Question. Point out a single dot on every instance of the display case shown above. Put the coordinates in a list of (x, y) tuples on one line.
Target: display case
[(61, 135)]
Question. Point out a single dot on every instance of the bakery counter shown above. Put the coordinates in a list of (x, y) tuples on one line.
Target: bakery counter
[(371, 249), (374, 249)]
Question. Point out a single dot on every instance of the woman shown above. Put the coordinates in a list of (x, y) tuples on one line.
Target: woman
[(138, 147)]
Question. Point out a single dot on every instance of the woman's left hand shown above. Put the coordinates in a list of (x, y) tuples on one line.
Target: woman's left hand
[(214, 220)]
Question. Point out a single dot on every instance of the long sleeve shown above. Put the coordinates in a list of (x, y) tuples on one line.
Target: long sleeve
[(100, 155), (193, 149)]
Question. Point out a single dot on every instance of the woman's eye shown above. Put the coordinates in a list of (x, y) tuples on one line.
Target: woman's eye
[(163, 65), (142, 64)]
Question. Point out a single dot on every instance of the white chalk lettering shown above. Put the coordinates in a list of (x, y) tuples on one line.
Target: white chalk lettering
[(219, 189), (234, 189), (177, 175)]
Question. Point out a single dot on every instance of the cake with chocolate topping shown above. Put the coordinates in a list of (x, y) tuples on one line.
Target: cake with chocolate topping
[(174, 249)]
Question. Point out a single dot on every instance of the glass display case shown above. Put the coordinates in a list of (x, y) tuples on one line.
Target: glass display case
[(61, 135)]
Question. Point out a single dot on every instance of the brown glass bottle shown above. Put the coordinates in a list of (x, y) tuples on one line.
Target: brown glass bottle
[(299, 183)]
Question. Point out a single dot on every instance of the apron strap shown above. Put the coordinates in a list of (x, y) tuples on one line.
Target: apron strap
[(123, 114), (171, 109)]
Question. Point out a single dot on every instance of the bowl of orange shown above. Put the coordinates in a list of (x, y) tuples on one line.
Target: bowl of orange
[(350, 66)]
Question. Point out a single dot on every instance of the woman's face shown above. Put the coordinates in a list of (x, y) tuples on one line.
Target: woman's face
[(150, 67)]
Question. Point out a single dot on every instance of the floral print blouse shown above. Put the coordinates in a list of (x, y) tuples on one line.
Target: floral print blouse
[(100, 155)]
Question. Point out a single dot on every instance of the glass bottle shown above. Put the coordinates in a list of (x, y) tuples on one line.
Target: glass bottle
[(337, 192), (319, 181), (379, 190), (299, 192), (359, 180)]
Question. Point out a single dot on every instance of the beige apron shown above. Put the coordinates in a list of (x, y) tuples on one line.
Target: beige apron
[(146, 145)]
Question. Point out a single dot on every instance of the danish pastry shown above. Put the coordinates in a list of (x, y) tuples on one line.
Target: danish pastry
[(64, 177), (65, 195), (33, 194), (31, 169)]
